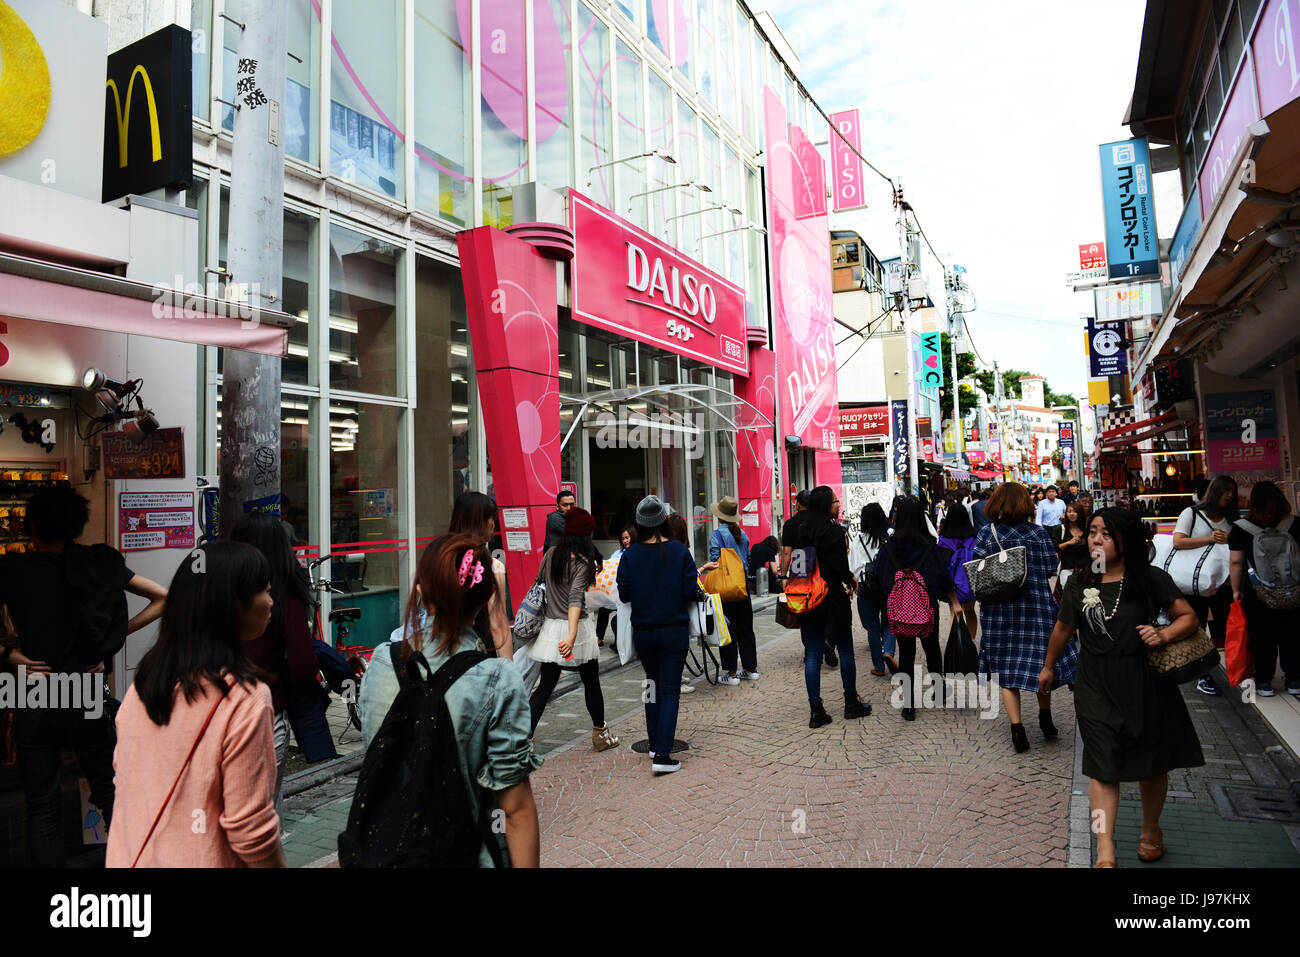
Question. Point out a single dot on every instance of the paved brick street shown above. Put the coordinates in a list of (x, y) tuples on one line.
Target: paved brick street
[(758, 788)]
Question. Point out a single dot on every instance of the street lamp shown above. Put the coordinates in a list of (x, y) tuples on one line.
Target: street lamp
[(660, 154)]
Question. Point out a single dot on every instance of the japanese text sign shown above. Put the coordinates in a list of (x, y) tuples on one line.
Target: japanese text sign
[(866, 421), (1106, 355), (1092, 256), (1131, 245), (155, 520), (158, 455), (1241, 432), (628, 282), (900, 429)]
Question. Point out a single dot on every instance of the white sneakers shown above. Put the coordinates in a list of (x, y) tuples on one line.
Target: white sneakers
[(726, 679), (749, 675)]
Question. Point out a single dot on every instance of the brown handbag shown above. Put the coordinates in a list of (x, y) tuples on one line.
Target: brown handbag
[(1181, 661)]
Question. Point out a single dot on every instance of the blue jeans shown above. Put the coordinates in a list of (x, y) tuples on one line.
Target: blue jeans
[(879, 638), (814, 636), (663, 655)]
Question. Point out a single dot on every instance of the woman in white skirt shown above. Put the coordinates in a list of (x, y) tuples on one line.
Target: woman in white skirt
[(568, 639)]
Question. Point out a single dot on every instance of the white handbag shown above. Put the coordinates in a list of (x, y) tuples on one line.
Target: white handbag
[(1198, 572)]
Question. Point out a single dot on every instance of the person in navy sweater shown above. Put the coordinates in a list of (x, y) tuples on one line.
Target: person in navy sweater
[(658, 578)]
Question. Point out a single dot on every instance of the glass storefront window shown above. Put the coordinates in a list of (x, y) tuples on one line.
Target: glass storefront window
[(505, 126), (594, 94), (656, 24), (366, 510), (366, 89), (298, 116), (622, 358), (444, 161), (755, 297), (200, 58), (704, 48), (688, 164), (727, 64), (570, 455), (745, 76), (299, 300), (599, 376), (441, 447), (660, 135), (709, 251), (363, 314), (631, 176), (552, 45), (735, 251)]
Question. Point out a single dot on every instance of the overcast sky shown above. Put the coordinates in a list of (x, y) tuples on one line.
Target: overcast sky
[(990, 112)]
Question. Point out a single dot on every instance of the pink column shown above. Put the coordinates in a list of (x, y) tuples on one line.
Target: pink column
[(755, 449), (514, 329)]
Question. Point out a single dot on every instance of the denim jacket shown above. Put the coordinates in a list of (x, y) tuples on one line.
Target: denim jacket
[(722, 538), (488, 708)]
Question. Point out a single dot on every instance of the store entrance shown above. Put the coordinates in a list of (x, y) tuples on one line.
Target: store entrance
[(618, 483)]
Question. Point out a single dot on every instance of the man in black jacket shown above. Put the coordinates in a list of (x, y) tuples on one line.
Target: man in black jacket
[(555, 521)]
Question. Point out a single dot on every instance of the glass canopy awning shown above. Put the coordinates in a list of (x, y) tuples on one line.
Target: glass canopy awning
[(719, 410)]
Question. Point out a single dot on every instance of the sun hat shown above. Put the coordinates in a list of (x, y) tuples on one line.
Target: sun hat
[(651, 512), (726, 509), (578, 521)]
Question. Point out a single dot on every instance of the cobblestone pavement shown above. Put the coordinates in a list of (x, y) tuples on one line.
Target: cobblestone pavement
[(759, 788)]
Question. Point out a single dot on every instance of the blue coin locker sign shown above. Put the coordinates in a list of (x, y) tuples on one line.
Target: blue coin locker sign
[(1132, 249)]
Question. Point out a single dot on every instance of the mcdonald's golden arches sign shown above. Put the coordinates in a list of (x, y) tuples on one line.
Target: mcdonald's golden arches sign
[(147, 111)]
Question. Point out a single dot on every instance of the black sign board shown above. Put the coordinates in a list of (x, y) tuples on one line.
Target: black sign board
[(1175, 382), (147, 112), (160, 455)]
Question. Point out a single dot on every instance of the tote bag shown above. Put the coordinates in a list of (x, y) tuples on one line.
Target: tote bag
[(727, 581), (1199, 572), (999, 577)]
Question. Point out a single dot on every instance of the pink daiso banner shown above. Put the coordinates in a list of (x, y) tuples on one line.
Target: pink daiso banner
[(626, 281), (846, 164)]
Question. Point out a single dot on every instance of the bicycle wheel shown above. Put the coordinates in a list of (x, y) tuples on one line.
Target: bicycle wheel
[(354, 715)]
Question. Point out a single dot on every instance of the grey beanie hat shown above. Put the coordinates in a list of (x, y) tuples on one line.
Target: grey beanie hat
[(651, 512)]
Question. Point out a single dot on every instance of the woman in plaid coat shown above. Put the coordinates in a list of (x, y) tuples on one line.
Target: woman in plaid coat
[(1014, 633)]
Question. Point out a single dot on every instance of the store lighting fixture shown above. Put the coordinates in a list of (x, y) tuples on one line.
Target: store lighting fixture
[(108, 392), (1174, 452), (656, 153), (691, 183), (295, 421)]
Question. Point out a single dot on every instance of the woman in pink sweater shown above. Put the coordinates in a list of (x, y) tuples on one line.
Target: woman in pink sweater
[(195, 761)]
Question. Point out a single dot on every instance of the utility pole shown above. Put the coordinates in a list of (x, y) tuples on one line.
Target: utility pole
[(904, 238), (250, 419), (997, 414), (954, 321)]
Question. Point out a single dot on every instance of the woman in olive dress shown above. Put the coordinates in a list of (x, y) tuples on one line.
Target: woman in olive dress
[(1134, 728)]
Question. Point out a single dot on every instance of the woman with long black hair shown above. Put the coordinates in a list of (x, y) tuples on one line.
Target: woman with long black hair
[(284, 651), (831, 623), (1134, 728), (873, 533), (957, 534), (475, 514), (567, 638), (913, 547), (194, 731)]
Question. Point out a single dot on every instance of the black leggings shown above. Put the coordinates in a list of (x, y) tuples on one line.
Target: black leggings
[(589, 671), (907, 659)]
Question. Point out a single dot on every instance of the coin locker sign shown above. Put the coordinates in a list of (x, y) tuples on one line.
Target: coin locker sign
[(155, 520)]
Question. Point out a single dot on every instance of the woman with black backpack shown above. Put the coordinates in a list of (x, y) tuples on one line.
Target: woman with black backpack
[(487, 703), (1267, 543), (913, 551), (873, 532), (831, 622)]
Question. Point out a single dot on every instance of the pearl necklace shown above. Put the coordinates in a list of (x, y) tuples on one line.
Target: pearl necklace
[(1118, 596)]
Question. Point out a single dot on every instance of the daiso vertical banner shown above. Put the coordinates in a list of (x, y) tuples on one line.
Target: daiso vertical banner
[(846, 164), (798, 238)]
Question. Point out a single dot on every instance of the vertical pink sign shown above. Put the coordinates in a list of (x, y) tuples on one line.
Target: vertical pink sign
[(755, 445), (1277, 55), (799, 242), (846, 165)]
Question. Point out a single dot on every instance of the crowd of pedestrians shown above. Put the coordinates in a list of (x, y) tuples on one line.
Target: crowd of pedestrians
[(203, 730)]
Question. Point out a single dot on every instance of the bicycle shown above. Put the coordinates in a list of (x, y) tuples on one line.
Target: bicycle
[(357, 657)]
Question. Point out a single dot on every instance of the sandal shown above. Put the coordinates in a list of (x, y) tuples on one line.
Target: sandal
[(1105, 864), (1149, 851)]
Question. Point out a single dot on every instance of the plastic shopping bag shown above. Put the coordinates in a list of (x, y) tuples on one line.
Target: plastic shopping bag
[(961, 657), (1239, 663), (603, 592), (623, 632), (722, 630)]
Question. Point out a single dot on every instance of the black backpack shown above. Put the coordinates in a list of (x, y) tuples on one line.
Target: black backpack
[(411, 807)]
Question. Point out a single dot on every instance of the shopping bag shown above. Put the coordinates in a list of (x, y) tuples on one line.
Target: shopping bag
[(728, 579), (721, 628), (1239, 663), (702, 624), (603, 592), (623, 632), (961, 657), (784, 616)]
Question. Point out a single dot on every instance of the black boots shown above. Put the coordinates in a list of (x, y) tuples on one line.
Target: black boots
[(1018, 738), (1045, 724), (819, 716), (829, 657), (855, 707)]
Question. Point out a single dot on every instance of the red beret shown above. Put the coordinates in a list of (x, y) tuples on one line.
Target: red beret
[(578, 521)]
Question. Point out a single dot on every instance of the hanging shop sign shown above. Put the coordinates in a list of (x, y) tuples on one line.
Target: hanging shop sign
[(147, 141), (803, 319), (899, 427), (24, 395), (1132, 249), (1092, 256), (160, 455), (929, 373), (864, 422), (1128, 301), (1114, 472), (1189, 227), (1276, 59), (1175, 382), (155, 520), (629, 282), (1238, 113), (846, 164), (1106, 355), (1241, 432)]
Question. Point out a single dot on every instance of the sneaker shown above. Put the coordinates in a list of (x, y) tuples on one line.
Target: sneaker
[(1292, 688), (1264, 691), (728, 680), (754, 676), (687, 689), (1207, 686), (665, 765), (602, 739)]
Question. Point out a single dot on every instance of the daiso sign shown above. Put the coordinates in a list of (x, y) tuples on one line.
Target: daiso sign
[(629, 282)]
